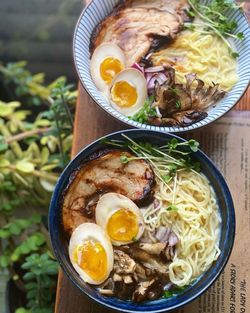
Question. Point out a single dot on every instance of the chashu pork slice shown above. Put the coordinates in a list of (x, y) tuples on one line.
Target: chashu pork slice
[(136, 24), (104, 173)]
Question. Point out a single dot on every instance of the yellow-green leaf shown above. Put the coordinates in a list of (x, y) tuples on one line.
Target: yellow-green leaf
[(38, 78), (13, 126), (42, 122), (14, 104), (47, 185), (4, 162), (5, 110), (25, 166), (33, 151), (45, 155), (55, 82), (44, 140), (49, 167), (67, 143), (21, 115)]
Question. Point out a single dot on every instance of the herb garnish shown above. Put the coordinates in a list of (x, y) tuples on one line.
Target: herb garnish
[(164, 160), (178, 104), (214, 16), (145, 112), (134, 239), (172, 208), (173, 292)]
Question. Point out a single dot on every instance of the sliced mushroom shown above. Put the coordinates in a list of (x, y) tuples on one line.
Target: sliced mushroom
[(123, 263), (148, 290), (183, 104), (163, 250), (124, 286), (153, 248), (185, 118), (117, 277), (149, 261), (107, 287), (168, 254), (144, 273)]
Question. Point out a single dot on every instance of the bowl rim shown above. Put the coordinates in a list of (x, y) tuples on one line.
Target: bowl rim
[(130, 123), (58, 252)]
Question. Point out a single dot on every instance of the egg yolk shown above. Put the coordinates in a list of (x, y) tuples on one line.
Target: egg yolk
[(123, 94), (123, 225), (92, 259), (109, 68)]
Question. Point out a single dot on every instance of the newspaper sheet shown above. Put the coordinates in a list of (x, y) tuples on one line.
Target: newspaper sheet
[(227, 142)]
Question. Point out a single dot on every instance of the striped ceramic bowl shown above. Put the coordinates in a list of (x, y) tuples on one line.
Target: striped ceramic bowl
[(97, 10)]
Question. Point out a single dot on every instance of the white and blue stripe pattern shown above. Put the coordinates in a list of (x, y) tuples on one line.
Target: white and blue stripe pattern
[(97, 10)]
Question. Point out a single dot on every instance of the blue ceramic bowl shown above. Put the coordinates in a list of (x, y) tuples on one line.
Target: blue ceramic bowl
[(97, 10), (60, 243)]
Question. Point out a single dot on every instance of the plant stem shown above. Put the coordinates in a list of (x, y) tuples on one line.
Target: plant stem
[(67, 110), (59, 136), (40, 174), (28, 134), (14, 145), (45, 175), (39, 292)]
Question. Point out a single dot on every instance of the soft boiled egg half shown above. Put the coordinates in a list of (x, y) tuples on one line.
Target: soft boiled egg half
[(120, 218), (91, 253), (128, 91), (107, 61)]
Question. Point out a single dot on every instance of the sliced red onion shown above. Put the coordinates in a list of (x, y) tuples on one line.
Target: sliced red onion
[(149, 76), (162, 234), (154, 69), (172, 239), (138, 67), (151, 83), (161, 78)]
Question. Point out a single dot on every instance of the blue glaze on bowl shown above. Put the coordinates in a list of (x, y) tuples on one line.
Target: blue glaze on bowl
[(97, 10), (60, 244)]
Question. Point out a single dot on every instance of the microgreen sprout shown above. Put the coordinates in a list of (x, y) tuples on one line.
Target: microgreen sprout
[(163, 159), (214, 16)]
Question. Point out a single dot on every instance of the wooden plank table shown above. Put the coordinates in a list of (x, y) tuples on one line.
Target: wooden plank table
[(91, 122)]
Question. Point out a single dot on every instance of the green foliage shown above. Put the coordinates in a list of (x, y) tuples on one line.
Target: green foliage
[(39, 282), (19, 225), (33, 150), (22, 310), (30, 244)]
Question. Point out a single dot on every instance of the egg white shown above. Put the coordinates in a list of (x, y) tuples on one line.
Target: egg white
[(137, 80), (102, 52), (111, 202), (91, 231)]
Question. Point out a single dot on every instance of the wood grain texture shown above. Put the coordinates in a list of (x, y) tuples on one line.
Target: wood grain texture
[(91, 122)]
